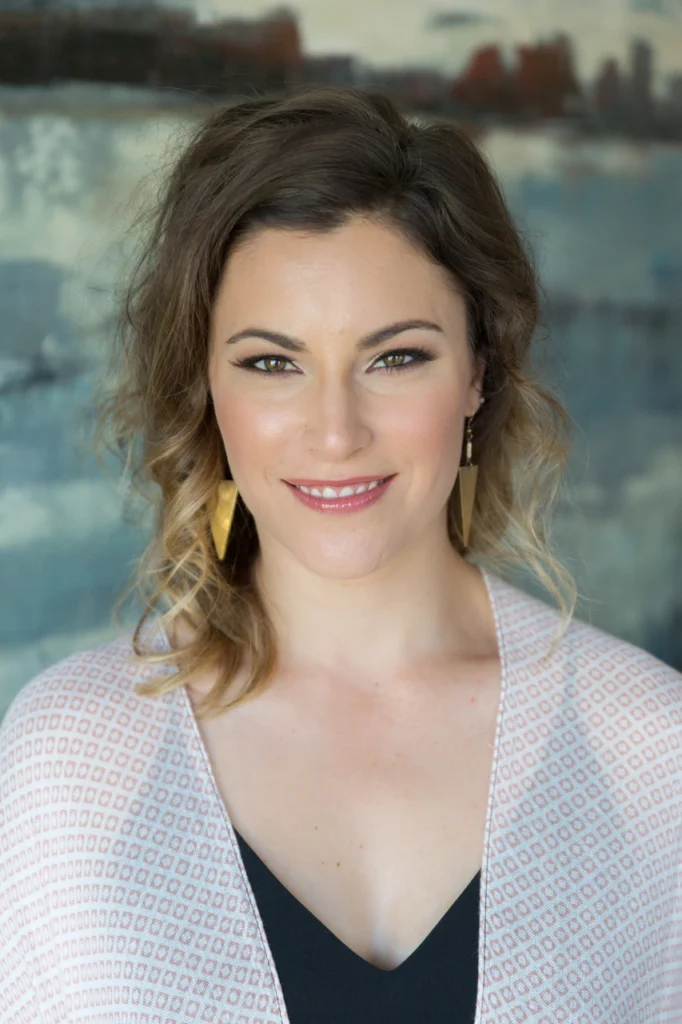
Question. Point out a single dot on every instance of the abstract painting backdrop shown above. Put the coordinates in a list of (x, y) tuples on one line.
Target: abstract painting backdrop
[(580, 114)]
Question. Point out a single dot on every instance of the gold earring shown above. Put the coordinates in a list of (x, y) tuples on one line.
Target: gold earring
[(467, 475), (221, 518)]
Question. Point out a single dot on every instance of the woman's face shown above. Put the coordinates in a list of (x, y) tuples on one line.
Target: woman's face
[(338, 410)]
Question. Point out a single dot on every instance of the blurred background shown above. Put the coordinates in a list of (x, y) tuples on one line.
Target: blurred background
[(578, 108)]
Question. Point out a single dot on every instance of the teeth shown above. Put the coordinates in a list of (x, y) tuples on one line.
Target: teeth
[(339, 492)]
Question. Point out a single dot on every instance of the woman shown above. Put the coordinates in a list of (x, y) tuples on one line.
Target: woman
[(372, 780)]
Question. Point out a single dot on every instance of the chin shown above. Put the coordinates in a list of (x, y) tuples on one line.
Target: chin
[(344, 562)]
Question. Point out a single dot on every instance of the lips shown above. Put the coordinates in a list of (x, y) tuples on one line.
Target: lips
[(348, 503)]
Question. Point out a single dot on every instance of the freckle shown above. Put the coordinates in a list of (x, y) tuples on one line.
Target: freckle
[(338, 863), (316, 826)]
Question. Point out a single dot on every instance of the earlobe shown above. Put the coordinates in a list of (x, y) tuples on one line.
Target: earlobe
[(475, 404)]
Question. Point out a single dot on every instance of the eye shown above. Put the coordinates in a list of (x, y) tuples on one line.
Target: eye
[(416, 355), (250, 364)]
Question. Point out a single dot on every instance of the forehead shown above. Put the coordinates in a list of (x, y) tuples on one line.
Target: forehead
[(363, 266)]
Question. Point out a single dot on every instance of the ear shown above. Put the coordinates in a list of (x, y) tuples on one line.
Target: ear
[(476, 387)]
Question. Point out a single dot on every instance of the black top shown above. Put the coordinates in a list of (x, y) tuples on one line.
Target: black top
[(325, 981)]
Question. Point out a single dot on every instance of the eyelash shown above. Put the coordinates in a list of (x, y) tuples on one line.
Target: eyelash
[(419, 355)]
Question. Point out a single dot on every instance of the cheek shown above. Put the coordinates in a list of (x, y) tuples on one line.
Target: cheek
[(248, 427), (426, 429)]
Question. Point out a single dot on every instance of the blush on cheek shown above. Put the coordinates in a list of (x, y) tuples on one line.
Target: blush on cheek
[(427, 431), (254, 436)]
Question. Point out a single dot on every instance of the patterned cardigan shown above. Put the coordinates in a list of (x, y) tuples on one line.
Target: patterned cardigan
[(124, 898)]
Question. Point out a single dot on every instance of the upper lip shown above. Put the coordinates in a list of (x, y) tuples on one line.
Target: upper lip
[(337, 483)]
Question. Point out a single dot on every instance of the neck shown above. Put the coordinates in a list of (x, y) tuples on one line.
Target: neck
[(428, 606)]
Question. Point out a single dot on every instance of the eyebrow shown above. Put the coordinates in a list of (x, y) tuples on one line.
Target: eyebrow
[(367, 342)]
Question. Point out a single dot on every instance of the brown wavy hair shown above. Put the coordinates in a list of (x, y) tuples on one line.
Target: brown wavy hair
[(310, 160)]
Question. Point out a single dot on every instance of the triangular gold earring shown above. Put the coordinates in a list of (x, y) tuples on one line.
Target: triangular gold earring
[(221, 518), (467, 475)]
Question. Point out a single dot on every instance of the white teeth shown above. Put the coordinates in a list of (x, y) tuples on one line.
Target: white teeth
[(338, 492)]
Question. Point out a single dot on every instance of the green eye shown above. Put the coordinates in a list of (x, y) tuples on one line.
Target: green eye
[(416, 356)]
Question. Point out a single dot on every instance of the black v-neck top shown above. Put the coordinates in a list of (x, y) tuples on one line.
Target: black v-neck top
[(325, 981)]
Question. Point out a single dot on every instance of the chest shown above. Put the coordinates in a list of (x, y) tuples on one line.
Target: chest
[(373, 820)]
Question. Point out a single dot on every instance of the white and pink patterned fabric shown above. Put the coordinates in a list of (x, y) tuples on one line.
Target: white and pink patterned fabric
[(124, 899)]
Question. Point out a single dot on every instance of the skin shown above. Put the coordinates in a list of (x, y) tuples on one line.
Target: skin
[(386, 576)]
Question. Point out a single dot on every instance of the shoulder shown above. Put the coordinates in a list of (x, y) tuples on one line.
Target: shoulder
[(71, 707), (594, 717), (89, 672), (102, 672), (594, 664)]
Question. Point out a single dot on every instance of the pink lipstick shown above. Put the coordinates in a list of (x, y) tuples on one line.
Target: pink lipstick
[(349, 503)]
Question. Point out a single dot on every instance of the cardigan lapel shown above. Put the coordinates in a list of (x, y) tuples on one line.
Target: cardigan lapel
[(581, 873)]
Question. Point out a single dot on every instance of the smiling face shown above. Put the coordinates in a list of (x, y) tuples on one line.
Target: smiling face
[(343, 407)]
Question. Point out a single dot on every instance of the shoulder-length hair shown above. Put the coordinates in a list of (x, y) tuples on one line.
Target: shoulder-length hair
[(311, 160)]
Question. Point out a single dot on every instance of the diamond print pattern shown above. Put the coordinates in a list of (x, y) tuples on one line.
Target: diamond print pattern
[(124, 900)]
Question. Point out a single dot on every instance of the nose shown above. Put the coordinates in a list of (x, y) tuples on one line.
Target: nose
[(336, 418)]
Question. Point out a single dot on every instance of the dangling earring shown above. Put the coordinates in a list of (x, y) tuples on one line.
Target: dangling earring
[(221, 518), (467, 475)]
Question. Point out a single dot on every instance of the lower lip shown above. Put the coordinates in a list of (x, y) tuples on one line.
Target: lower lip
[(351, 503)]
